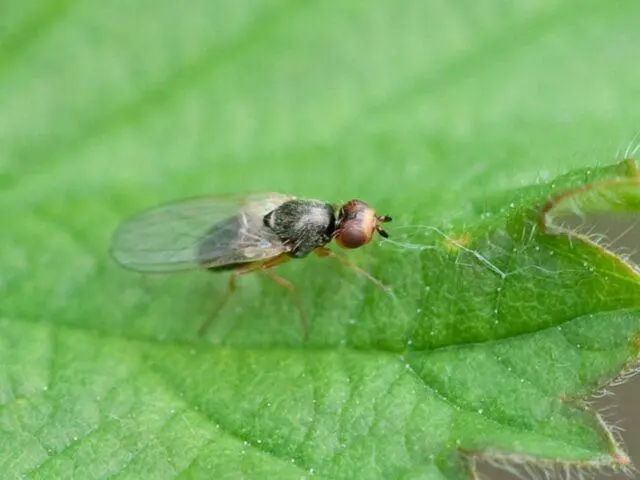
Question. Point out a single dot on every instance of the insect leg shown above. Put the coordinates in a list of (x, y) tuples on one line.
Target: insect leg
[(279, 260), (294, 297), (325, 252), (223, 301), (273, 262), (243, 270)]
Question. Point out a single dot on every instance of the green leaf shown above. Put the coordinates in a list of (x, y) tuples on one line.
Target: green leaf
[(472, 124)]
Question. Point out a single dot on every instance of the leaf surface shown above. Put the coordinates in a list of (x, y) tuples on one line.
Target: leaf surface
[(481, 128)]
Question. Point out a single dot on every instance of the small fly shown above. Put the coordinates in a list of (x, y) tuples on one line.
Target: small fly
[(243, 234)]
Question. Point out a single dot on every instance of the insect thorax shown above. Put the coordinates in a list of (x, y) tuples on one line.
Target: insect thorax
[(302, 225)]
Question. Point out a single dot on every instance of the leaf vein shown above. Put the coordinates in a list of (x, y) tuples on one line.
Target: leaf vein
[(213, 419)]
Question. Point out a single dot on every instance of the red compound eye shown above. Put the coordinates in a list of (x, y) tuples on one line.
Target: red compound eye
[(352, 237)]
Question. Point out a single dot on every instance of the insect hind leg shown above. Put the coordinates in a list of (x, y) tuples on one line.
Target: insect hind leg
[(245, 269), (283, 282), (221, 303)]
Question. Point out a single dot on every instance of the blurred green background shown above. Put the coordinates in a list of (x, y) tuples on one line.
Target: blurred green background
[(417, 107)]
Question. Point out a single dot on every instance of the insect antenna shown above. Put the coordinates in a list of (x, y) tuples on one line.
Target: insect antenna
[(379, 229)]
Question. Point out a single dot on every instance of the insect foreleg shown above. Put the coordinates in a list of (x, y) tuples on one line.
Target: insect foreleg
[(325, 252)]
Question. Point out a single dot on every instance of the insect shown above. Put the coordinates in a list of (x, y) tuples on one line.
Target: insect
[(243, 234)]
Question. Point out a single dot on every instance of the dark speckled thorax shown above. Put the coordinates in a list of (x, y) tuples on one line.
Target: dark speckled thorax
[(302, 225)]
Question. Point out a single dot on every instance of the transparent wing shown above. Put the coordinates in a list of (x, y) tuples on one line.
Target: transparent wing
[(198, 232)]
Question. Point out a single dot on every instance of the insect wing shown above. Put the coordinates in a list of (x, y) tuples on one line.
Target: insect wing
[(198, 232)]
